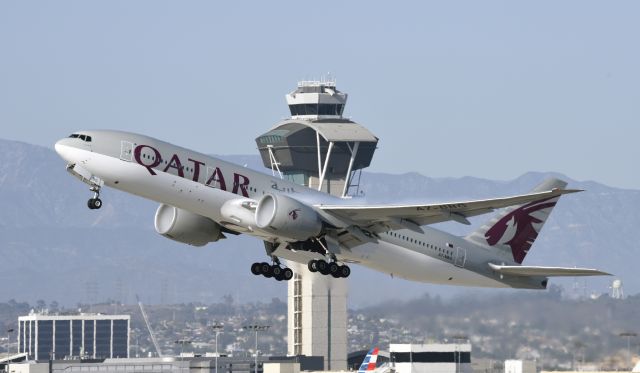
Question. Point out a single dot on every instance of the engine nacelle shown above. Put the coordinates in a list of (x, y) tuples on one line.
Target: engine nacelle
[(287, 217), (185, 226)]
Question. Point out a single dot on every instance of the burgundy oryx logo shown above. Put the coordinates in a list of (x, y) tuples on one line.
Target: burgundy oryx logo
[(519, 228), (293, 214)]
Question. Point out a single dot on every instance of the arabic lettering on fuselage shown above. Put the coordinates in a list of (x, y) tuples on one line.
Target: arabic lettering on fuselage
[(216, 178), (286, 189)]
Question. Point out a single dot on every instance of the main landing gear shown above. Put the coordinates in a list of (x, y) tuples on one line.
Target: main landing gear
[(329, 268), (95, 202), (272, 270)]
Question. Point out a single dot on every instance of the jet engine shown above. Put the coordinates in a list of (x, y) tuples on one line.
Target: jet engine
[(287, 217), (186, 227)]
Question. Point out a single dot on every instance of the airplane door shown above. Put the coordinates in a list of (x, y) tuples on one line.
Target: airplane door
[(126, 151), (461, 257)]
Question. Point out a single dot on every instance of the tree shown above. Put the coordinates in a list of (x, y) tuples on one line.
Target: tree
[(41, 305)]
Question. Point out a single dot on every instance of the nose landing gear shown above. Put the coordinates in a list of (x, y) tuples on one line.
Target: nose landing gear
[(94, 182), (95, 202)]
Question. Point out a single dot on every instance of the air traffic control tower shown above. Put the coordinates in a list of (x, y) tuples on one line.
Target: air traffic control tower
[(319, 148), (316, 146)]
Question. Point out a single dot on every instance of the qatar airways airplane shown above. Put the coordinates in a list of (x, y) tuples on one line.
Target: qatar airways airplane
[(203, 199)]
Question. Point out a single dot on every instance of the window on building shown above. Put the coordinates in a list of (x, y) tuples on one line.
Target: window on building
[(76, 333), (62, 339), (88, 337), (120, 338), (45, 339), (103, 338)]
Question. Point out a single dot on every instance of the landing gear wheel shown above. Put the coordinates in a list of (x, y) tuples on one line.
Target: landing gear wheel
[(277, 271), (287, 274), (313, 265), (333, 269), (344, 271), (265, 269), (323, 267), (256, 269), (94, 203)]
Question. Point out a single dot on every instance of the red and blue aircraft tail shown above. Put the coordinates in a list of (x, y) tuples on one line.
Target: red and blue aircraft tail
[(369, 362)]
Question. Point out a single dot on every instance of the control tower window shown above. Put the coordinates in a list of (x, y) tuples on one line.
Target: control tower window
[(316, 109), (298, 178), (311, 109), (270, 139), (330, 109)]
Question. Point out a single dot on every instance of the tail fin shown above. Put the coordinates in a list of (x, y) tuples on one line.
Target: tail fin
[(513, 230), (369, 362)]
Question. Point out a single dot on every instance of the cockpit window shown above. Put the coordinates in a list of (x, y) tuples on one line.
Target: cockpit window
[(85, 138)]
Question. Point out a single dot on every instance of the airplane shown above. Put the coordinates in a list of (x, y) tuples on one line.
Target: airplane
[(369, 364), (204, 199)]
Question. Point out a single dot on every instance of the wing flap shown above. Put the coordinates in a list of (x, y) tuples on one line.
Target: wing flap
[(546, 271)]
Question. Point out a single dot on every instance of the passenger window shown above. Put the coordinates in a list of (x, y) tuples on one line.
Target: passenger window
[(88, 138), (83, 138)]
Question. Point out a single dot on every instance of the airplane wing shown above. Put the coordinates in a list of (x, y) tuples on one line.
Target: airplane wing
[(546, 271), (413, 216)]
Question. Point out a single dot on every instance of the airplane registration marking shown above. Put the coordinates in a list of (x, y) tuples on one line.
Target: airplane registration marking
[(448, 206)]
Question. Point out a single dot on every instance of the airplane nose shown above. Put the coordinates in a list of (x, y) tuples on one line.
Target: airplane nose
[(62, 148), (59, 147)]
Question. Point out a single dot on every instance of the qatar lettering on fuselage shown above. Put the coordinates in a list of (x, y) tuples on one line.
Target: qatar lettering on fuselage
[(154, 161)]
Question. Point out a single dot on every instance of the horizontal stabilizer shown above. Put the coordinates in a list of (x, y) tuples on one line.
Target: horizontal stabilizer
[(546, 271)]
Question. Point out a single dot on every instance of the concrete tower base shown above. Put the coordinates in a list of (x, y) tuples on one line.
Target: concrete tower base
[(317, 322)]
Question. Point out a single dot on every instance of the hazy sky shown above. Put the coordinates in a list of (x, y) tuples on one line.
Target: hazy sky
[(452, 88)]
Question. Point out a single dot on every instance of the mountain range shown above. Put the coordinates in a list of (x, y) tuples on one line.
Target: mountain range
[(53, 247)]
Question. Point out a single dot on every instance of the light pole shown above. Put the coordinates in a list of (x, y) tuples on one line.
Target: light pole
[(256, 329), (182, 342), (217, 328), (628, 335), (9, 331), (578, 346)]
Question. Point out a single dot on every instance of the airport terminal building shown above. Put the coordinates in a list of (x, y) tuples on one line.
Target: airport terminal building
[(431, 358), (59, 337)]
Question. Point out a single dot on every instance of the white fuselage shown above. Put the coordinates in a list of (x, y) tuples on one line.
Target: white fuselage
[(202, 184)]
